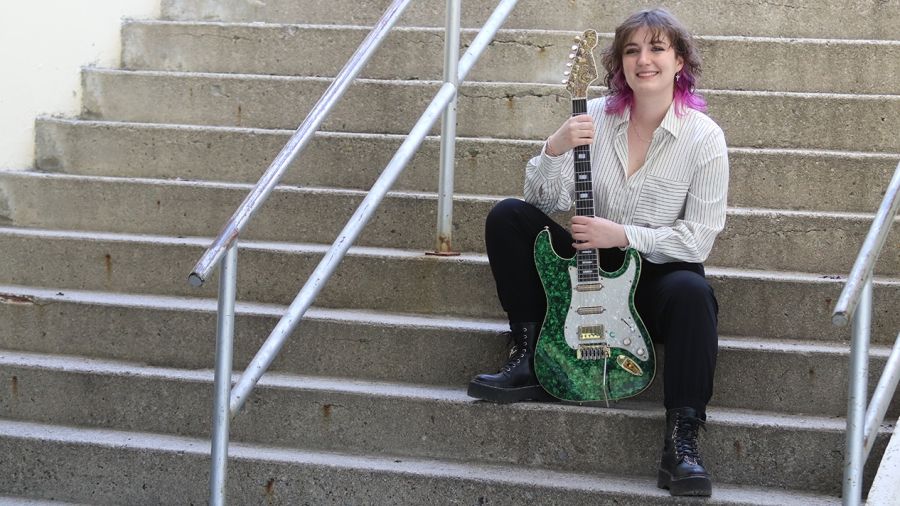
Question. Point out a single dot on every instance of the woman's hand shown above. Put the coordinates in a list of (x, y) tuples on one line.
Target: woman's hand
[(575, 131), (597, 233)]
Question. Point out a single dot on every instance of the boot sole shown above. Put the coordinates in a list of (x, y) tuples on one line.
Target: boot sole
[(687, 486), (508, 395)]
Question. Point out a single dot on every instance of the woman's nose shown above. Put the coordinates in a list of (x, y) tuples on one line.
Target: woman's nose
[(643, 57)]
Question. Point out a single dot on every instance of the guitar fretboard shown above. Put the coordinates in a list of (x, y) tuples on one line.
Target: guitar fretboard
[(584, 199)]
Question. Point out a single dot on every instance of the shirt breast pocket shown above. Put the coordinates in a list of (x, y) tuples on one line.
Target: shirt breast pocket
[(661, 202)]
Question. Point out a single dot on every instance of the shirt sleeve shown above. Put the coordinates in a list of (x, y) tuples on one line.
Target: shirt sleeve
[(550, 181), (690, 239)]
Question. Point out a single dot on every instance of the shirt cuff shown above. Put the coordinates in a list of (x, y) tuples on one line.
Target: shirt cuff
[(551, 166), (640, 238)]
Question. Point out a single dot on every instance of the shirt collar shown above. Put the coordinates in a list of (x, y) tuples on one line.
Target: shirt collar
[(670, 123)]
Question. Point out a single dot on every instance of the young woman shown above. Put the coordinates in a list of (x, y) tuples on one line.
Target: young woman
[(660, 179)]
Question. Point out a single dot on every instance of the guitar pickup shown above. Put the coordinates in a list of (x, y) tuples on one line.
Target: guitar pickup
[(593, 352), (587, 310), (588, 287), (591, 332)]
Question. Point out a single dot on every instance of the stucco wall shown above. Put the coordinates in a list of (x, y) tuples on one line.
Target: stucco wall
[(43, 45)]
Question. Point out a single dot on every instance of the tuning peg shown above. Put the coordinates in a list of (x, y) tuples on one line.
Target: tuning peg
[(577, 38), (572, 56), (574, 47), (565, 81), (569, 64), (566, 73)]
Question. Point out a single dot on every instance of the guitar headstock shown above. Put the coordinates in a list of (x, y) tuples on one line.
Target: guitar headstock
[(582, 68)]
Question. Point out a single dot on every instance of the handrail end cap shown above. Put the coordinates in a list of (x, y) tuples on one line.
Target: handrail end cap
[(840, 320), (195, 280)]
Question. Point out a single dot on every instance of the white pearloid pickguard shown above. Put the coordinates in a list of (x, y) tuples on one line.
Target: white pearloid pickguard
[(620, 329)]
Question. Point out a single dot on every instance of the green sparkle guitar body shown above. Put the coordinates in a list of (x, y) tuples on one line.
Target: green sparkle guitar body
[(593, 345)]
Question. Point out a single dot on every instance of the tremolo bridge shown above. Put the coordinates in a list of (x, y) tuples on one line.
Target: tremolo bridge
[(592, 352)]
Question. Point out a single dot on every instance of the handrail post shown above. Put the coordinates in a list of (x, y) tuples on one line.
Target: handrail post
[(444, 239), (224, 352), (854, 459)]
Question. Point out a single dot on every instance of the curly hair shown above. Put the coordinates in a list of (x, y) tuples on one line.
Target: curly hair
[(661, 23)]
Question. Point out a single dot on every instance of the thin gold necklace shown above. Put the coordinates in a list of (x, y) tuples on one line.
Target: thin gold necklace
[(633, 127)]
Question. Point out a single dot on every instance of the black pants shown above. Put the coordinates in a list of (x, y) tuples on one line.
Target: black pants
[(674, 300)]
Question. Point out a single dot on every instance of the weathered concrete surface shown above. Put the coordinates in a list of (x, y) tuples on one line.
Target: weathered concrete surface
[(761, 178), (178, 332), (875, 19), (328, 415), (514, 56), (754, 303), (754, 239), (518, 111), (114, 467)]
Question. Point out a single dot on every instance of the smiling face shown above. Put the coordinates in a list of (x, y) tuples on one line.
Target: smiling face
[(650, 64)]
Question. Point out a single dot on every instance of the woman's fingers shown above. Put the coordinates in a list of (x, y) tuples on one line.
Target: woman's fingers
[(575, 131)]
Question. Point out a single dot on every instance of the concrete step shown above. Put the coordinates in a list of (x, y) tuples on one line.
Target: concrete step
[(180, 332), (761, 239), (140, 468), (755, 303), (531, 56), (23, 501), (763, 178), (529, 111), (330, 415), (876, 19)]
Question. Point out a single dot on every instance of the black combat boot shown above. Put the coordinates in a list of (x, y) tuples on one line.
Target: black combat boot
[(681, 467), (516, 380)]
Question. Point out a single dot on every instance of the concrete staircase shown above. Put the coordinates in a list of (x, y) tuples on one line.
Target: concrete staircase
[(106, 352)]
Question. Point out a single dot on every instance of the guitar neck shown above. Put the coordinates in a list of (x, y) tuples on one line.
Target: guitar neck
[(584, 192), (584, 199)]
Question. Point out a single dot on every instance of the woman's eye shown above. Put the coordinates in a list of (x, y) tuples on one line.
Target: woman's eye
[(630, 51), (658, 48)]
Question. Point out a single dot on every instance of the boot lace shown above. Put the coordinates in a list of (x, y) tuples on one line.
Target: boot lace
[(685, 438), (518, 348)]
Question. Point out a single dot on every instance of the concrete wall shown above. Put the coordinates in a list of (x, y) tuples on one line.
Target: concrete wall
[(43, 45)]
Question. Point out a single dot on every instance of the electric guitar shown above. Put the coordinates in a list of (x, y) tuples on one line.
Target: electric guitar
[(593, 345)]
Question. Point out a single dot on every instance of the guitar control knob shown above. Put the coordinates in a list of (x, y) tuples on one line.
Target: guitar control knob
[(626, 342), (641, 352)]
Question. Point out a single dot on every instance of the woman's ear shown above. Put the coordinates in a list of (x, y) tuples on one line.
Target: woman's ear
[(680, 63)]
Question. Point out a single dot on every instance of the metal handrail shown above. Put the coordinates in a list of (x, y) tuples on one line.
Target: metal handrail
[(225, 244), (228, 400), (855, 303), (364, 212), (868, 253), (296, 144)]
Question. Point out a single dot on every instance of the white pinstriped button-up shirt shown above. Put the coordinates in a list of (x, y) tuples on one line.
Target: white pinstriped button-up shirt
[(672, 208)]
